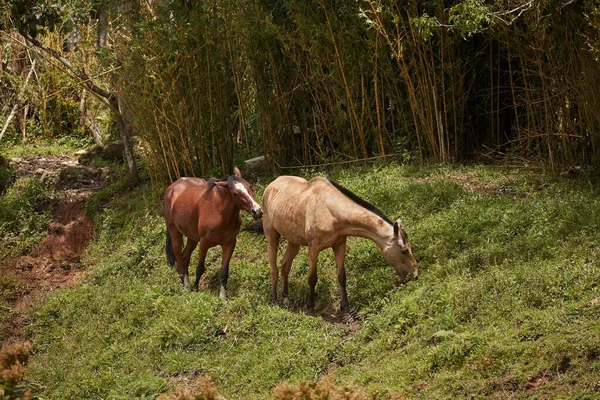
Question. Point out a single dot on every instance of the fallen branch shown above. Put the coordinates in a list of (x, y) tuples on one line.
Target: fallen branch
[(338, 162)]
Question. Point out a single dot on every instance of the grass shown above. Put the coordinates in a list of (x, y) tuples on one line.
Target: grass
[(47, 147), (503, 307), (24, 214)]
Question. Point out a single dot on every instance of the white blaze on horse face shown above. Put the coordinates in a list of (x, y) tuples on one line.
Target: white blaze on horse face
[(255, 209)]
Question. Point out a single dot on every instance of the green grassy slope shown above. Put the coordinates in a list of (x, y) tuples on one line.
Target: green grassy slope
[(503, 307)]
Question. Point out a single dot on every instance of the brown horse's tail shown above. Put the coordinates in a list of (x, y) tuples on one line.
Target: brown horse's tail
[(169, 250)]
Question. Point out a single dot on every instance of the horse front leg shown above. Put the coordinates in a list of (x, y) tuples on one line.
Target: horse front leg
[(201, 264), (339, 250), (286, 265), (313, 258), (272, 246), (227, 253)]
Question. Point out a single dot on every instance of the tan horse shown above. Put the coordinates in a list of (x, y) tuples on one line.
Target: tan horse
[(320, 214), (207, 213)]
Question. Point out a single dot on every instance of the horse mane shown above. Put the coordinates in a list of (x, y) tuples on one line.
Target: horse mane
[(213, 181), (360, 201)]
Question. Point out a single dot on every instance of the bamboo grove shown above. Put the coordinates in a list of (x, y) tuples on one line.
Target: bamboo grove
[(314, 81)]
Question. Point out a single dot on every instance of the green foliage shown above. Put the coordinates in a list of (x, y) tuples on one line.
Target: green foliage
[(31, 17), (426, 25), (469, 17), (503, 304), (50, 104), (7, 175), (25, 212)]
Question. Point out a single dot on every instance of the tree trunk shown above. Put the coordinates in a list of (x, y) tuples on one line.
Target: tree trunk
[(126, 130), (88, 121)]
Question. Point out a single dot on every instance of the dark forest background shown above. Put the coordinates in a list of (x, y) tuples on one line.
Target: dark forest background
[(206, 84)]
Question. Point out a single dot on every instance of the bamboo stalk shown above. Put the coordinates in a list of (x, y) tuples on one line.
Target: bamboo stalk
[(349, 98), (19, 99), (379, 127)]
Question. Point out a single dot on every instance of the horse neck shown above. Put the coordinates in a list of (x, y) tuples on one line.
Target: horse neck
[(228, 203), (363, 223)]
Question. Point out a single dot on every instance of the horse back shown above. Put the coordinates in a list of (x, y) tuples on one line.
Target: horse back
[(298, 209), (181, 198)]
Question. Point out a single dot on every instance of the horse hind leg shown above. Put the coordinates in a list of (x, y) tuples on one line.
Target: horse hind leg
[(176, 245), (286, 265), (171, 260), (187, 254)]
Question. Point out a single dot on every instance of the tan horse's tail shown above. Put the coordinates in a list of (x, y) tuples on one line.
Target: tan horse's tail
[(169, 251)]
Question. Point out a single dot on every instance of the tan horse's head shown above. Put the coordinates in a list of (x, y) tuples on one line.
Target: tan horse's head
[(243, 195), (398, 253)]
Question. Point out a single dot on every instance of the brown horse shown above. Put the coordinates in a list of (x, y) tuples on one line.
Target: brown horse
[(320, 214), (207, 213)]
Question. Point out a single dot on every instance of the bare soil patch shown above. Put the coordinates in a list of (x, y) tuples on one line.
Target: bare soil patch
[(54, 262)]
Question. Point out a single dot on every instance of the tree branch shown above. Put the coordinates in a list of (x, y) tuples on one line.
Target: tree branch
[(105, 95)]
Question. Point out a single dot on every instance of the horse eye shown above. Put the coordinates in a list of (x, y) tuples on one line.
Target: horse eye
[(405, 251)]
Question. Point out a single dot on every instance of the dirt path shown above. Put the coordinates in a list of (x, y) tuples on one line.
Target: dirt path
[(55, 262)]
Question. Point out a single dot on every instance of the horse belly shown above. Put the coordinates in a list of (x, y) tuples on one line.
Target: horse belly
[(187, 227), (290, 227), (297, 239)]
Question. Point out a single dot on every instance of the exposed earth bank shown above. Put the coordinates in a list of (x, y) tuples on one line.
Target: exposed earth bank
[(55, 261)]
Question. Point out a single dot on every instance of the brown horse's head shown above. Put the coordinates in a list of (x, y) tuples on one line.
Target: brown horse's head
[(398, 253), (242, 194)]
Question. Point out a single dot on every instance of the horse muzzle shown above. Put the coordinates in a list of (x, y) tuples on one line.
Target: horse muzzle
[(410, 276), (256, 213)]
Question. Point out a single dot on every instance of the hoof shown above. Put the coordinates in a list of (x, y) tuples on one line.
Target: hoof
[(184, 280), (344, 310), (347, 318), (285, 303), (223, 294)]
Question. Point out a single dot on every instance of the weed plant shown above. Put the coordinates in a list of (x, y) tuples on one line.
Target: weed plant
[(505, 305)]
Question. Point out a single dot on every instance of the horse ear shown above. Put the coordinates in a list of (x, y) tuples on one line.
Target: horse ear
[(397, 226), (231, 184), (237, 172)]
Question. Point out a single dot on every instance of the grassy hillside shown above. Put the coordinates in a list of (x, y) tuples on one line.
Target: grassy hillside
[(504, 306)]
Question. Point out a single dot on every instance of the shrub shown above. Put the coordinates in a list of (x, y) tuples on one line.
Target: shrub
[(13, 362), (7, 175)]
